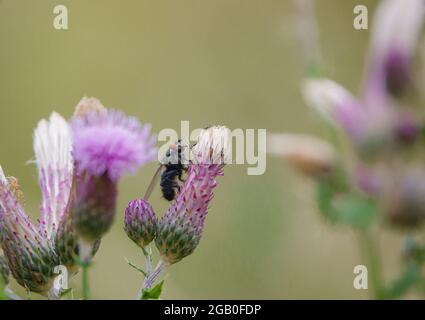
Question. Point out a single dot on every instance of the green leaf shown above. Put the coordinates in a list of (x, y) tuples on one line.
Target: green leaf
[(153, 293), (64, 292), (136, 267), (2, 288), (355, 211), (324, 195), (345, 208), (408, 278)]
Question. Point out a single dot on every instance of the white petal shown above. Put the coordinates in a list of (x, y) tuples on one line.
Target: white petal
[(53, 148), (3, 179), (213, 146)]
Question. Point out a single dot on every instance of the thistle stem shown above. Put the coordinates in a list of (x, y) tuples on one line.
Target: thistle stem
[(148, 260), (9, 294), (370, 253), (85, 280), (153, 277), (86, 250)]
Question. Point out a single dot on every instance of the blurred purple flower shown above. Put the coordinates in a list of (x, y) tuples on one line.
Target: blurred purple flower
[(396, 29), (109, 142), (107, 145), (376, 120)]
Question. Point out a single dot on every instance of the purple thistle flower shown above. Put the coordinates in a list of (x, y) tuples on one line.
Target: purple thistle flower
[(107, 145), (140, 222), (109, 142), (180, 229)]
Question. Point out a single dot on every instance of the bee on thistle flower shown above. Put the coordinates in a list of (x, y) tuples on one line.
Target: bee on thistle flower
[(31, 250), (180, 229), (107, 145)]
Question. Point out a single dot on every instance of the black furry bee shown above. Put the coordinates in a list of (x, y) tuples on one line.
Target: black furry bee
[(172, 168)]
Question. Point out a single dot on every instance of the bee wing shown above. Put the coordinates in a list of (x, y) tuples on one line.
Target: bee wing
[(153, 182)]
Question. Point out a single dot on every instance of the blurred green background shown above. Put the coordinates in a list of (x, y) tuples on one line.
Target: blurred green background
[(230, 62)]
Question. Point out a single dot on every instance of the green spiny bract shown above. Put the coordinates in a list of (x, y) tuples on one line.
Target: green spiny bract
[(177, 238), (4, 271)]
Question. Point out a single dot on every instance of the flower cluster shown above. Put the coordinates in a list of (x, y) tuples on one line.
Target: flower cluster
[(373, 169), (79, 165), (381, 128)]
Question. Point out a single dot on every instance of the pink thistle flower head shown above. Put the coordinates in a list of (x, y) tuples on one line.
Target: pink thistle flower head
[(109, 142), (180, 229)]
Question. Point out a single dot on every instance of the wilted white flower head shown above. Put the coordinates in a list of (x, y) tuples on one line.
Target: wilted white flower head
[(30, 250), (213, 146)]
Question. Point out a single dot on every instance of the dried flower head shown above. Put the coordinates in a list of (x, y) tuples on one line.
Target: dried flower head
[(140, 222), (310, 155), (180, 229), (213, 146)]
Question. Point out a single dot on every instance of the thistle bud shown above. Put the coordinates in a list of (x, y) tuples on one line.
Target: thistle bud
[(140, 222), (87, 105), (4, 271)]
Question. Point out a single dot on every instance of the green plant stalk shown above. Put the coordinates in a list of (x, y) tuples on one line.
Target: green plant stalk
[(148, 259), (9, 294), (85, 280), (2, 290), (153, 277), (86, 255), (371, 255)]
